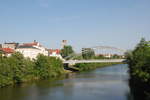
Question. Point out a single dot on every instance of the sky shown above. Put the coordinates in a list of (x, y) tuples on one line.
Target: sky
[(83, 23)]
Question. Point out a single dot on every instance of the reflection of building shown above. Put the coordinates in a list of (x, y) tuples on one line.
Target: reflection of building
[(31, 50), (11, 45), (7, 51), (64, 43), (55, 53)]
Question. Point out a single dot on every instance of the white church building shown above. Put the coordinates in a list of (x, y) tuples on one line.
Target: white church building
[(31, 50)]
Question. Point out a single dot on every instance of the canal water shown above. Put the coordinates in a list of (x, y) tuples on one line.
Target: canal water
[(109, 83)]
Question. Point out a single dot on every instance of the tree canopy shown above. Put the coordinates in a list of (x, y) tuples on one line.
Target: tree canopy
[(88, 53), (139, 65), (67, 51), (18, 69)]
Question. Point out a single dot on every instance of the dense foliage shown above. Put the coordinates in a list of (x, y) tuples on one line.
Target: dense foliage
[(46, 67), (139, 64), (67, 52), (17, 69), (88, 53)]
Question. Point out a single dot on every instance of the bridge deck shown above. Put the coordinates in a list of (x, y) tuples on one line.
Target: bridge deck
[(93, 61)]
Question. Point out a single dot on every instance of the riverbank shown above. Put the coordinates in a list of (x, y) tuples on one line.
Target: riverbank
[(17, 69)]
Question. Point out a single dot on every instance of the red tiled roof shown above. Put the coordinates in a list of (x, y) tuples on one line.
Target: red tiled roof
[(30, 44), (7, 50), (54, 50)]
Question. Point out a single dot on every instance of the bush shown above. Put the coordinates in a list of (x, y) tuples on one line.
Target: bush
[(46, 67), (17, 69), (139, 64)]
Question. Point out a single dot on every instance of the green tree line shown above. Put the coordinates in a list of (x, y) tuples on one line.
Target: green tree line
[(139, 65), (18, 69)]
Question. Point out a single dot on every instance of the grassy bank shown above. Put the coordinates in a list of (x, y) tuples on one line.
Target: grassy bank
[(17, 69), (90, 66)]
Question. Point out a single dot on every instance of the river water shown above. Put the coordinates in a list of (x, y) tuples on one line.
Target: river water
[(109, 83)]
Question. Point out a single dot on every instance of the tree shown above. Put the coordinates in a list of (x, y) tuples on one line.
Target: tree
[(1, 54), (46, 67), (67, 51), (21, 67), (88, 53), (139, 64), (139, 60), (17, 69)]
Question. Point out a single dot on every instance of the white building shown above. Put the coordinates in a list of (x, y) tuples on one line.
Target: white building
[(31, 50), (11, 45), (55, 53)]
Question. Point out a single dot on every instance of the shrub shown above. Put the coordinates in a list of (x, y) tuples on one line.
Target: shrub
[(17, 69)]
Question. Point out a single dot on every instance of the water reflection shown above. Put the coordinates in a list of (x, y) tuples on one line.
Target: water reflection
[(109, 83)]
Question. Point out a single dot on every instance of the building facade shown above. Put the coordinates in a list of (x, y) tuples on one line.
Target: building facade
[(55, 53), (11, 45), (31, 50)]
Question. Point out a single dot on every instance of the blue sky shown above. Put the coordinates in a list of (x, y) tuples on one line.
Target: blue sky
[(84, 23)]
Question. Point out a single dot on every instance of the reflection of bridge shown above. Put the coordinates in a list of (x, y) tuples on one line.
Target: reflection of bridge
[(72, 62)]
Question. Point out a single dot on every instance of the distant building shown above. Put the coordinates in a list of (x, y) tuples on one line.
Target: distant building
[(11, 45), (85, 50), (0, 45), (31, 50), (55, 53), (111, 55), (107, 55), (7, 51)]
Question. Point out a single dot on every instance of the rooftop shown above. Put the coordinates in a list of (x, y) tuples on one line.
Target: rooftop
[(30, 44), (7, 50), (54, 50), (11, 43), (24, 46)]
